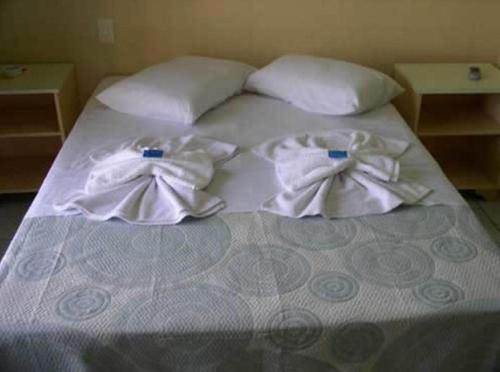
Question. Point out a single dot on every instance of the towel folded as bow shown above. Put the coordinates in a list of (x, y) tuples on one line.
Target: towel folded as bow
[(362, 179), (151, 190)]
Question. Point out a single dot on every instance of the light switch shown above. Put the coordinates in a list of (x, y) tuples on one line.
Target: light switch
[(105, 30)]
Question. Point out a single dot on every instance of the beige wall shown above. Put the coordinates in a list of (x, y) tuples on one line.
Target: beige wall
[(373, 32)]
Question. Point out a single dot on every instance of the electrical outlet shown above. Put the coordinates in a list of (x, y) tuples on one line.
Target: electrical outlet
[(105, 30)]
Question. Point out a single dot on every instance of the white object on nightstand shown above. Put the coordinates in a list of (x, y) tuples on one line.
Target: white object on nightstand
[(12, 71)]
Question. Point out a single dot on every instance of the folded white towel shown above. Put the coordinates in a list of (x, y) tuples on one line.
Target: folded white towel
[(365, 182), (164, 190)]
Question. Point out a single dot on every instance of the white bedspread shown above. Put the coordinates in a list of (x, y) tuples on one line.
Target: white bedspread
[(363, 180), (246, 181), (417, 289), (164, 190)]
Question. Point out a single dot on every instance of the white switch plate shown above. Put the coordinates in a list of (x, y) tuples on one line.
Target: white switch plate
[(106, 30)]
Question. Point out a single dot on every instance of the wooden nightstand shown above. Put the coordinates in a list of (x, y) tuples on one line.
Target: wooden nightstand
[(37, 111), (457, 119)]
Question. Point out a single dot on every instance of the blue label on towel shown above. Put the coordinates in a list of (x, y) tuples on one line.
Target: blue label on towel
[(336, 154), (152, 153)]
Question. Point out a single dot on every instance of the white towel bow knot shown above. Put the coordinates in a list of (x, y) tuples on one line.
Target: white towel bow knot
[(124, 184), (366, 182)]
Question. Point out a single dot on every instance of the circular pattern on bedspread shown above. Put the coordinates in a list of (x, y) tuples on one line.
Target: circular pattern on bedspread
[(266, 270), (134, 256), (414, 222), (315, 233), (294, 329), (40, 265), (83, 303), (334, 287), (437, 293), (191, 325), (462, 337), (355, 343), (453, 249), (258, 361), (391, 264)]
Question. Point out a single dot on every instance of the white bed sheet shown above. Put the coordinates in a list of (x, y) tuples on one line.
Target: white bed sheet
[(246, 181)]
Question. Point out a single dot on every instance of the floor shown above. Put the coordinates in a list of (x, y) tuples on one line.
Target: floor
[(13, 208), (488, 213), (12, 211)]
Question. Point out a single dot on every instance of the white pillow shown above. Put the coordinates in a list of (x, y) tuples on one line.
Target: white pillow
[(180, 90), (323, 85)]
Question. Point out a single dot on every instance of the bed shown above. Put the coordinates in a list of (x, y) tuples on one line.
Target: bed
[(417, 289)]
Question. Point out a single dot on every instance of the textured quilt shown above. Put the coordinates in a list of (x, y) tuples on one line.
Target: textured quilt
[(414, 290)]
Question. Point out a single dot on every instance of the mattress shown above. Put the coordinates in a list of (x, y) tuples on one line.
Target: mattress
[(417, 289)]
